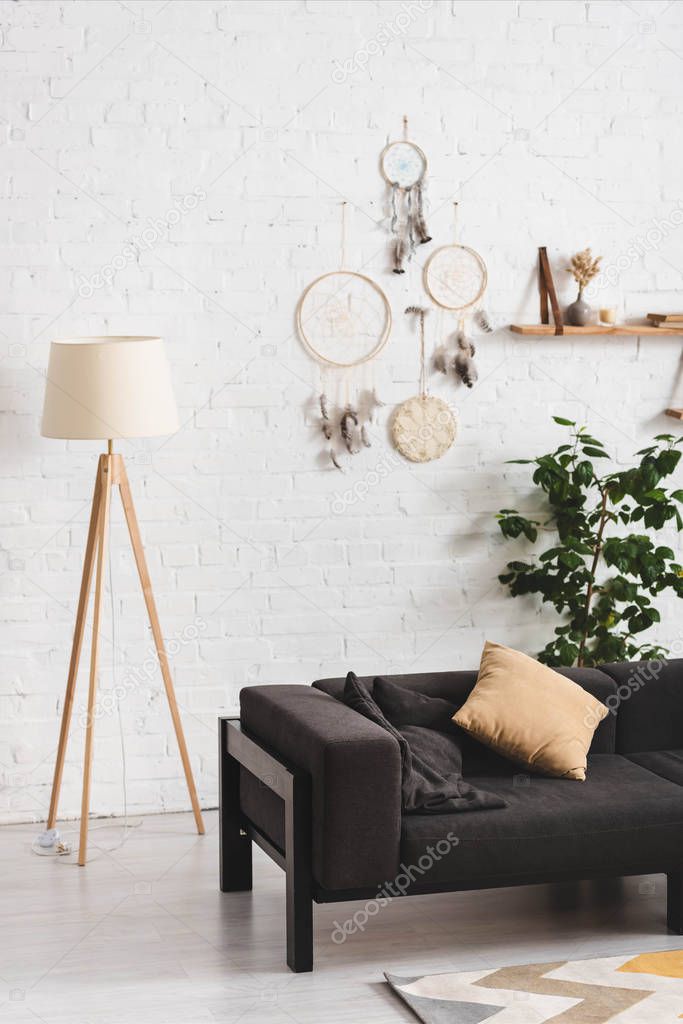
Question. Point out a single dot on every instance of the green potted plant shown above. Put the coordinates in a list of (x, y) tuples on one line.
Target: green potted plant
[(598, 575)]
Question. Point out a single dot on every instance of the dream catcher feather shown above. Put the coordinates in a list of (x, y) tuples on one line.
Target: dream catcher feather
[(423, 427), (344, 321), (455, 278), (404, 168)]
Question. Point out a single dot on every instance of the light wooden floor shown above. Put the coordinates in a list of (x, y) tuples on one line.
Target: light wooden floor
[(143, 936)]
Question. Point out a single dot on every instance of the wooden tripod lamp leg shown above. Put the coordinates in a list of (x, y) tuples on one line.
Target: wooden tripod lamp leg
[(79, 629), (103, 530), (146, 583)]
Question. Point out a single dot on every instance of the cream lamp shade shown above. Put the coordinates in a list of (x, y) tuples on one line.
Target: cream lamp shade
[(107, 387)]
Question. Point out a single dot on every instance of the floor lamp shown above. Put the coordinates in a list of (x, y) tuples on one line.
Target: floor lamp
[(107, 388)]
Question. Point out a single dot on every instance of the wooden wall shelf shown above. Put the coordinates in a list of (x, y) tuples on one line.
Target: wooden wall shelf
[(618, 329), (676, 413)]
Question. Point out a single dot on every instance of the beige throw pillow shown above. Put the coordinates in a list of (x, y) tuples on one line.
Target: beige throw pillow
[(531, 714)]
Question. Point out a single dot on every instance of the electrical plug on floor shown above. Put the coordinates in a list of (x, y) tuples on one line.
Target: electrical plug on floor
[(50, 844), (50, 837)]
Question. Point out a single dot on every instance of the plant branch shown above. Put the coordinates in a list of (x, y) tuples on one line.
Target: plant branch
[(591, 581)]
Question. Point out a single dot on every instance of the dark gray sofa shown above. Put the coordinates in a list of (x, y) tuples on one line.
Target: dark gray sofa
[(318, 786)]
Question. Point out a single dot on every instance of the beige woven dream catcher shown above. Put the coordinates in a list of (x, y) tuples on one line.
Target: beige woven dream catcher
[(455, 278), (404, 168), (423, 427), (344, 321)]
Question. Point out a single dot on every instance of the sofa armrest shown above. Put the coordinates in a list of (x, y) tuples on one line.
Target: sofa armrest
[(355, 771)]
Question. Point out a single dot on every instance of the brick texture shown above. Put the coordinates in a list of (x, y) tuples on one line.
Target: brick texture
[(177, 168)]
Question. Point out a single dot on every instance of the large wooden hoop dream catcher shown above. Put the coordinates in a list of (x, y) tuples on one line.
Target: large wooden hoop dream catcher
[(343, 319), (337, 316), (404, 168)]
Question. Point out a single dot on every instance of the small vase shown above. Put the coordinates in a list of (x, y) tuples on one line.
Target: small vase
[(579, 314)]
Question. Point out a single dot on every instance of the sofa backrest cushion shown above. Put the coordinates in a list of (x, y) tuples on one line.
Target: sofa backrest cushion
[(456, 687), (649, 704)]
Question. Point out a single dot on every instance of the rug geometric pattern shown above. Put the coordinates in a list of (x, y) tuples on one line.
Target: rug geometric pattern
[(645, 989)]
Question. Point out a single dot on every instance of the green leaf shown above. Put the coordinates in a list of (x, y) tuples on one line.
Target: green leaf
[(563, 422), (529, 530), (667, 461), (638, 570), (597, 453), (583, 474)]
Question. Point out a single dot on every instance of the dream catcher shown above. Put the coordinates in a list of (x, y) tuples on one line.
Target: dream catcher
[(455, 279), (404, 167), (344, 321), (424, 427)]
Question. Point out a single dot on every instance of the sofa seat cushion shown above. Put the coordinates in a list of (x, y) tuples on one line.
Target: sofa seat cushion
[(668, 764), (622, 819)]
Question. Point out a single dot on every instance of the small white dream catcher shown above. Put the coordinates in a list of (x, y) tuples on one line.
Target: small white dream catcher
[(344, 321), (404, 168), (455, 278), (423, 427)]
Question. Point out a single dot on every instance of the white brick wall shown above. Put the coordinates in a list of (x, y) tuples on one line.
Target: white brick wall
[(552, 122)]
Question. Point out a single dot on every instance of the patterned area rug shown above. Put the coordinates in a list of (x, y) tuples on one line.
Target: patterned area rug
[(645, 989)]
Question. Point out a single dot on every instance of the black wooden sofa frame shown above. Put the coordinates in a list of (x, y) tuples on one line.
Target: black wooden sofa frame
[(293, 785)]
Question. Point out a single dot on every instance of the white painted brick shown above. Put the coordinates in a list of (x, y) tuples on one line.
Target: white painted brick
[(292, 572)]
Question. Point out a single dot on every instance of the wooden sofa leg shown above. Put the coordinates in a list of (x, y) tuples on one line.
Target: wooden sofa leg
[(298, 869), (234, 842), (674, 902)]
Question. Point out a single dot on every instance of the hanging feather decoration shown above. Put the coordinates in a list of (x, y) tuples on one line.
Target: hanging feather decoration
[(463, 364), (364, 436), (410, 221), (483, 321), (371, 402), (325, 417), (465, 344), (421, 229), (440, 360), (408, 224), (335, 461), (348, 426), (400, 252), (394, 208)]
